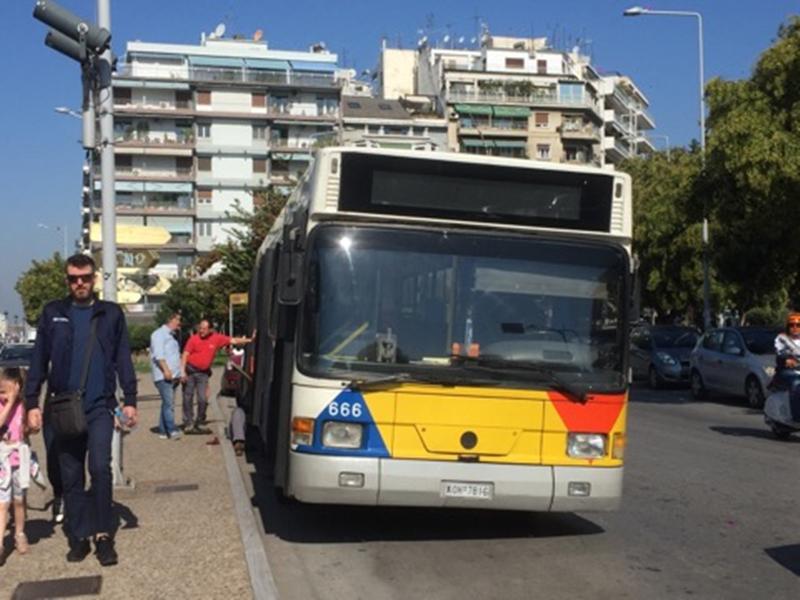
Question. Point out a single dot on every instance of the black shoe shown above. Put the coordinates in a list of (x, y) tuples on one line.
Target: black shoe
[(58, 509), (104, 549), (78, 550)]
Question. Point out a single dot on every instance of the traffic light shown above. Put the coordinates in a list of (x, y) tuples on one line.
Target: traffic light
[(72, 36), (87, 194)]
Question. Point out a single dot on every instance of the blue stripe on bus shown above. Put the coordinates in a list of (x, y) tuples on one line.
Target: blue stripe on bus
[(341, 409)]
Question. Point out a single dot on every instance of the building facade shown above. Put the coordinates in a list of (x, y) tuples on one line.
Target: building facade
[(518, 97), (199, 130)]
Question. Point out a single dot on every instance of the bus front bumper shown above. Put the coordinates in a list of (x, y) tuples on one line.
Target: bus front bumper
[(393, 482)]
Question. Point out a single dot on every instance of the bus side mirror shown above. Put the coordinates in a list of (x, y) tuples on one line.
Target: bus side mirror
[(290, 267)]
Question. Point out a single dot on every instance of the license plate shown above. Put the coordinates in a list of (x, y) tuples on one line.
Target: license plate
[(463, 489)]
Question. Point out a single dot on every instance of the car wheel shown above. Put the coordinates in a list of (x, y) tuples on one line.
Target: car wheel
[(754, 393), (699, 391), (652, 378), (780, 431)]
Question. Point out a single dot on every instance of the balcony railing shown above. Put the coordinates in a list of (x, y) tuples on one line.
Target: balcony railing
[(183, 204), (578, 130), (144, 174), (135, 139), (536, 99), (228, 75)]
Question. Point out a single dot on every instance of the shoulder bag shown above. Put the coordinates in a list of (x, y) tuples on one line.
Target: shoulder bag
[(64, 411)]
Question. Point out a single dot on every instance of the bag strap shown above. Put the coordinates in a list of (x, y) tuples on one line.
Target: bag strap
[(87, 356)]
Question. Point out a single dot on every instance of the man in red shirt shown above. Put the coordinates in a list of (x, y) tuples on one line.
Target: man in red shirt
[(196, 360)]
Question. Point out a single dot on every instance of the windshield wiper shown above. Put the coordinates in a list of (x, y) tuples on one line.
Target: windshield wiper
[(538, 370), (363, 384)]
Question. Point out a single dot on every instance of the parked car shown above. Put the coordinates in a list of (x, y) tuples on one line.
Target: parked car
[(739, 361), (232, 375), (16, 355), (660, 353)]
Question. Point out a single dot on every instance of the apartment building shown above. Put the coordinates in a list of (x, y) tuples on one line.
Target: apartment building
[(518, 97), (378, 123), (626, 119), (198, 130)]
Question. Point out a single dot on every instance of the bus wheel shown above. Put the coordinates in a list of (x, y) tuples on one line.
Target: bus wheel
[(754, 393), (699, 391)]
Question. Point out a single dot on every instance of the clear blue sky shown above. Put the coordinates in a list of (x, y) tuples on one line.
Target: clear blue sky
[(40, 158)]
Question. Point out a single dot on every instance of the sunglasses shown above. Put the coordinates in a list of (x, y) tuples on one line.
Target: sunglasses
[(794, 325), (81, 278)]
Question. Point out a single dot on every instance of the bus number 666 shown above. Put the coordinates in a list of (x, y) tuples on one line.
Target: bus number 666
[(344, 409)]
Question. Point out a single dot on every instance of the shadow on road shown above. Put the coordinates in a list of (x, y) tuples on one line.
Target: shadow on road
[(786, 556), (309, 523), (765, 434), (673, 395)]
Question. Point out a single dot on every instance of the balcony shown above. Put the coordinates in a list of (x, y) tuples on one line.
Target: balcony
[(226, 75), (156, 144), (136, 174), (536, 99), (178, 207), (163, 108), (580, 131)]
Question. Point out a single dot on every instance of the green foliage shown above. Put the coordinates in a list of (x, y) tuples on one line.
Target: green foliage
[(139, 336), (208, 298), (752, 180), (766, 316), (41, 283)]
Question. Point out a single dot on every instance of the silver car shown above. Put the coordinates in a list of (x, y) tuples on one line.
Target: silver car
[(738, 361)]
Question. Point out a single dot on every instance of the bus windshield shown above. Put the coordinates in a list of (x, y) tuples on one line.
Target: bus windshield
[(385, 301)]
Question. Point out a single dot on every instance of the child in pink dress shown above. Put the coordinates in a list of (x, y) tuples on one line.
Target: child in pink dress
[(15, 456)]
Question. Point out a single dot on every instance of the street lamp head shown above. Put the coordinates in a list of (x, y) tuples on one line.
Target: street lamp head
[(634, 11)]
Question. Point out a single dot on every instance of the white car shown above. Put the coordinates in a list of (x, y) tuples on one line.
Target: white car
[(738, 361)]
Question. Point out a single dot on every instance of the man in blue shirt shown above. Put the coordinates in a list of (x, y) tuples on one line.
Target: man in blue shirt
[(61, 341), (165, 363)]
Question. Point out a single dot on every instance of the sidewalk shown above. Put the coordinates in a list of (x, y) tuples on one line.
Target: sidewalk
[(178, 534)]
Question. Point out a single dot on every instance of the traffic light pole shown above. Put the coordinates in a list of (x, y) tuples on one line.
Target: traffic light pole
[(108, 204)]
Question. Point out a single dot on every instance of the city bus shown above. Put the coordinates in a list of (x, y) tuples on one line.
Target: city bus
[(444, 330)]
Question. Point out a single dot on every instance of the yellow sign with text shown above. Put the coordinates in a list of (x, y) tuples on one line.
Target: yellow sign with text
[(238, 299)]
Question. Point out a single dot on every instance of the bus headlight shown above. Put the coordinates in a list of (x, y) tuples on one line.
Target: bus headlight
[(336, 434), (586, 445)]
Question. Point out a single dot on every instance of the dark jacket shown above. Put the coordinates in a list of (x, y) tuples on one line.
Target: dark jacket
[(52, 352)]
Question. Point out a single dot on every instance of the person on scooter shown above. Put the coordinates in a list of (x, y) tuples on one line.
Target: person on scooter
[(787, 362)]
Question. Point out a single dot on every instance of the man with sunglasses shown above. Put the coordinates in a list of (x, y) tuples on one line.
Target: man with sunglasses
[(62, 339)]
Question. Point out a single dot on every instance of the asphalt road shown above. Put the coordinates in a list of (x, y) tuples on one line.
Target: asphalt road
[(710, 511)]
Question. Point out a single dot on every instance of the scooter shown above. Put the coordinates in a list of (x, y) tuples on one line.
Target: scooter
[(778, 414)]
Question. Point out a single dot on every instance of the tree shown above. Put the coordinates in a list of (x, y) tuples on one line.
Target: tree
[(194, 299), (752, 180), (41, 283)]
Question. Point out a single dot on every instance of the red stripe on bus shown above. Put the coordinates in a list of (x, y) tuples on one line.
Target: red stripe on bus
[(598, 414)]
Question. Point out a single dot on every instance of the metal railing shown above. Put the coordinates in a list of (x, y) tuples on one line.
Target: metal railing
[(228, 75), (535, 99)]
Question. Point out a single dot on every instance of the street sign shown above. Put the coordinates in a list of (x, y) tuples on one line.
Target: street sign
[(238, 299), (132, 259)]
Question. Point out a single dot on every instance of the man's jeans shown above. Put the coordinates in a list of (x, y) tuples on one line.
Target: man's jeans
[(198, 381), (166, 420), (88, 512)]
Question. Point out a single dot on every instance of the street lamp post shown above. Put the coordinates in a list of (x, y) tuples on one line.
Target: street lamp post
[(637, 11)]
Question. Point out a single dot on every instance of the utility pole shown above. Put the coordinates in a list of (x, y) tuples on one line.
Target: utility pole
[(108, 202)]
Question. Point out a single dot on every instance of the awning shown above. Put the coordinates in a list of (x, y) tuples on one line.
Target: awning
[(511, 111), (216, 61), (473, 143), (302, 65), (473, 109), (271, 65)]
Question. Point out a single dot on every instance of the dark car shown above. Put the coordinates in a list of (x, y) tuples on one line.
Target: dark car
[(231, 377), (16, 355), (660, 353)]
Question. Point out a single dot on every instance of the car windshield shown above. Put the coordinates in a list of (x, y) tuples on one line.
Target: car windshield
[(674, 338), (394, 301), (760, 341), (16, 353)]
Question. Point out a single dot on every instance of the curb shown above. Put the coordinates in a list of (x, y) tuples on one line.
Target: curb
[(261, 580)]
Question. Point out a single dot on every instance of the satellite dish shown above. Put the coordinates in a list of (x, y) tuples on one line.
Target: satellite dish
[(258, 35), (446, 39), (219, 30), (461, 40)]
